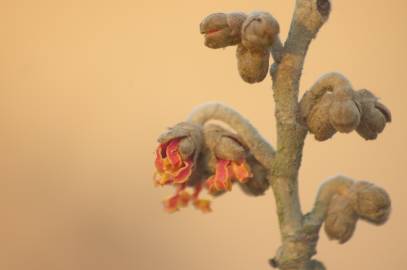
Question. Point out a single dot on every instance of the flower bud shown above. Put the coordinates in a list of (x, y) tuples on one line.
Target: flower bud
[(259, 30), (372, 203), (253, 65), (344, 113), (318, 119), (374, 115), (340, 222), (222, 30)]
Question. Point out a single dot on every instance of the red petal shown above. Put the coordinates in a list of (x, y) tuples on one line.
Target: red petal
[(159, 161), (172, 153), (171, 204), (222, 175), (241, 171), (182, 175), (184, 198)]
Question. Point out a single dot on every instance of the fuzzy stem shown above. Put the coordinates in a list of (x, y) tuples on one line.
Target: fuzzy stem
[(309, 16), (258, 146)]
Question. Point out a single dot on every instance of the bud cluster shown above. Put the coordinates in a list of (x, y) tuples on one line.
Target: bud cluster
[(255, 36)]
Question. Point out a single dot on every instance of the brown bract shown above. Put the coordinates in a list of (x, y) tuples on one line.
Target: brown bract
[(222, 29)]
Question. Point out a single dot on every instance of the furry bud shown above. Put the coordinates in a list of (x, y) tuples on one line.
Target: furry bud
[(259, 30), (253, 65), (344, 113), (372, 203), (340, 222), (222, 30), (374, 115), (224, 143), (318, 118)]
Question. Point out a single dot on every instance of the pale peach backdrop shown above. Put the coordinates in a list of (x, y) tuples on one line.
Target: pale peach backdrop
[(86, 87)]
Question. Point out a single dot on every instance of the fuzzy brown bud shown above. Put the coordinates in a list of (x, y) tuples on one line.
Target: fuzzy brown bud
[(372, 203), (223, 143), (259, 30), (222, 30), (344, 113), (318, 119), (253, 65), (374, 115), (340, 222)]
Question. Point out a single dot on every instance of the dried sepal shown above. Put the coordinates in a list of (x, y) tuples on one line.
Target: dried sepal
[(340, 221), (318, 121), (252, 65), (222, 29), (259, 30), (375, 115), (372, 203)]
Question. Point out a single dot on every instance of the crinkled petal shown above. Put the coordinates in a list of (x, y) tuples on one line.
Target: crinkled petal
[(222, 178), (172, 153), (159, 159), (222, 175), (241, 171), (182, 175)]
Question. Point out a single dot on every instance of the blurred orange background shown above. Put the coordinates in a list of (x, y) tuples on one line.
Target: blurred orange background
[(87, 86)]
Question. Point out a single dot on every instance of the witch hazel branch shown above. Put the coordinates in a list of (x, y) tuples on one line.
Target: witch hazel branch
[(198, 155)]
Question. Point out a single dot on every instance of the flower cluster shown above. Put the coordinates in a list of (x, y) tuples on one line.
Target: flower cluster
[(189, 156)]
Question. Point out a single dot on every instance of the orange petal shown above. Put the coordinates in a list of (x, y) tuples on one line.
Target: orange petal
[(211, 186), (203, 205), (171, 204), (172, 153), (184, 198), (241, 171), (222, 175), (182, 175)]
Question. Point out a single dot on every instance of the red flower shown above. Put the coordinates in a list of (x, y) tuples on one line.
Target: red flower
[(226, 171), (171, 168)]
